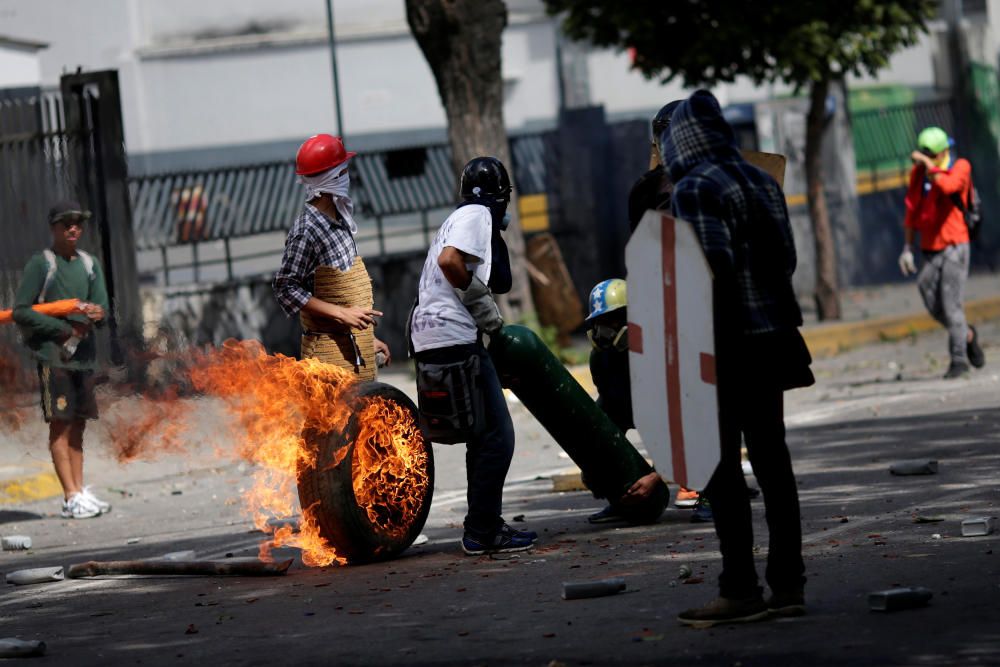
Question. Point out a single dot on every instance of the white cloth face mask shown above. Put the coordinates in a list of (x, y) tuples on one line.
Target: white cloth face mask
[(336, 182)]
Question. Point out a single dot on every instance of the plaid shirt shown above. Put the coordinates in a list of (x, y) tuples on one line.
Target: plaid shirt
[(314, 240), (739, 214)]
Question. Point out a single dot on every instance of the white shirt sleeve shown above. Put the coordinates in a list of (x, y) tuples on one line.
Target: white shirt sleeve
[(471, 232)]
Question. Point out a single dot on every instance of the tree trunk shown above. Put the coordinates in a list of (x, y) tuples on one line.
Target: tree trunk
[(827, 298), (461, 41)]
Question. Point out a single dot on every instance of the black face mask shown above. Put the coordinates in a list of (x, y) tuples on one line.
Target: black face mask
[(498, 211), (603, 337)]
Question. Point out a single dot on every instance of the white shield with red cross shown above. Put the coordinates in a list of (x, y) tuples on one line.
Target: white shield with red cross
[(672, 349)]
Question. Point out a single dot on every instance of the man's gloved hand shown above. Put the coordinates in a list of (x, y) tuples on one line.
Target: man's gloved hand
[(906, 262), (478, 299)]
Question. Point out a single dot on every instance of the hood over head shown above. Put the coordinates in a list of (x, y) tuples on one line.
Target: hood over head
[(697, 133)]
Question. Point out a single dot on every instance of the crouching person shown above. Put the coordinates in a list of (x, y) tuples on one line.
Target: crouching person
[(459, 390)]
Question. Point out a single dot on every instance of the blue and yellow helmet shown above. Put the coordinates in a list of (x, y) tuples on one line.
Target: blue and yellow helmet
[(607, 296)]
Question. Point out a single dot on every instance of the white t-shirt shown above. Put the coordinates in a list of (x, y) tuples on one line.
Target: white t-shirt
[(440, 319)]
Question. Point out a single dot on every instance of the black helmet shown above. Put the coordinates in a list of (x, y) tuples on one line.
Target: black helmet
[(485, 177)]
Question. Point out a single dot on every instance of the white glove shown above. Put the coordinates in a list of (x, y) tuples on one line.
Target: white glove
[(478, 299), (906, 263)]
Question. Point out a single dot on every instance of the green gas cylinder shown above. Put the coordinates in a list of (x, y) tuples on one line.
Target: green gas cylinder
[(609, 462)]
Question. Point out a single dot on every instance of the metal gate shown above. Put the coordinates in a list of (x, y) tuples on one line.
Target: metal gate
[(68, 144)]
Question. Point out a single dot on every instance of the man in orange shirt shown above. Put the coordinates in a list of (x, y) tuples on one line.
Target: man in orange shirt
[(935, 204)]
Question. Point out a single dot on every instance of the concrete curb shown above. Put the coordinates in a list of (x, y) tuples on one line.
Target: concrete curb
[(827, 340)]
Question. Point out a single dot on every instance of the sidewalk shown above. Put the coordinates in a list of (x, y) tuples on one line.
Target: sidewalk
[(891, 312)]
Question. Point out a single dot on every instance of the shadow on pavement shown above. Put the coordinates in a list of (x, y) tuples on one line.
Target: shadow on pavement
[(12, 516)]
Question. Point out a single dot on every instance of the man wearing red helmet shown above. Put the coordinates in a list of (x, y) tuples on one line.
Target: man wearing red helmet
[(322, 278)]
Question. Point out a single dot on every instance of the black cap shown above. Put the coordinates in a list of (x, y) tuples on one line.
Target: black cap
[(662, 118), (67, 208)]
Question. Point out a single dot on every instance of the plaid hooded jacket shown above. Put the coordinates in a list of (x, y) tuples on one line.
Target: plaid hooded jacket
[(739, 214)]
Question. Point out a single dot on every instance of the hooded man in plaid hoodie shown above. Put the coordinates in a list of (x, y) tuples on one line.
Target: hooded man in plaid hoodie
[(739, 214)]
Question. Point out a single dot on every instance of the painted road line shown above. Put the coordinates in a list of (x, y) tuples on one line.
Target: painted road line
[(29, 487)]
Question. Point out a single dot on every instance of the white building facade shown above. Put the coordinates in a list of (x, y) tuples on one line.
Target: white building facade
[(245, 80)]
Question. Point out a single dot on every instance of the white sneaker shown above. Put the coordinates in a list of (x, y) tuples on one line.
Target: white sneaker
[(79, 507), (105, 507)]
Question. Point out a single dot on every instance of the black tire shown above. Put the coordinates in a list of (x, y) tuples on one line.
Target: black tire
[(342, 521)]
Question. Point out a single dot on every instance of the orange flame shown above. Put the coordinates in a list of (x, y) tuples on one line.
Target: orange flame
[(388, 449), (275, 399), (279, 406), (280, 409)]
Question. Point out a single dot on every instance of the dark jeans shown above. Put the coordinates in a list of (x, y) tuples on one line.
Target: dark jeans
[(487, 457), (754, 408)]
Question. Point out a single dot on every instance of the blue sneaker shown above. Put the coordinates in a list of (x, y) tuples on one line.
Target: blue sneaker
[(702, 511), (500, 543), (513, 532)]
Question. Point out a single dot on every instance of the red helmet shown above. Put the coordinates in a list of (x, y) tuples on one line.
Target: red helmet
[(319, 153)]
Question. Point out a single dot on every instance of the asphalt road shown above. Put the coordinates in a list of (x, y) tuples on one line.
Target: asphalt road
[(433, 606)]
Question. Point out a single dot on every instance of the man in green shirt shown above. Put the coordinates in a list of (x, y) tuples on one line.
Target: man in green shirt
[(65, 350)]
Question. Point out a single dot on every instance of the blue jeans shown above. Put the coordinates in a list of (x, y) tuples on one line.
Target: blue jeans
[(488, 456)]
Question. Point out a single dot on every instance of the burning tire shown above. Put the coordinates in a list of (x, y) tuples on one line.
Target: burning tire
[(371, 488)]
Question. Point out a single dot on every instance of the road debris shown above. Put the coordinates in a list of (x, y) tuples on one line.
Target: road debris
[(133, 540), (289, 522), (684, 571), (578, 590), (982, 525), (15, 542), (234, 566), (917, 518), (914, 467), (187, 554), (896, 599), (11, 647), (35, 575)]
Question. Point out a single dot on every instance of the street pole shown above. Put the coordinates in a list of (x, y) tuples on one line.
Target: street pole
[(333, 64)]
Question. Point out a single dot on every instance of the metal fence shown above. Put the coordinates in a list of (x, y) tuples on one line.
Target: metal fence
[(884, 139), (68, 144), (33, 166), (220, 224), (33, 171)]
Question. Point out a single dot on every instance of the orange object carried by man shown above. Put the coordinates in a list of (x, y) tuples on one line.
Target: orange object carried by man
[(60, 308)]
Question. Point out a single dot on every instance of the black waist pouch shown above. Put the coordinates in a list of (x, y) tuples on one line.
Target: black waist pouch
[(450, 401)]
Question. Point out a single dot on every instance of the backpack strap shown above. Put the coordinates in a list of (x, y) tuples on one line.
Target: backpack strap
[(52, 267), (956, 199), (88, 263)]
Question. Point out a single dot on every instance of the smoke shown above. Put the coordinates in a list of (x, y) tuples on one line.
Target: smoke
[(18, 387)]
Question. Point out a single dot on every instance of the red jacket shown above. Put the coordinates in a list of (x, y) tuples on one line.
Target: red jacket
[(933, 213)]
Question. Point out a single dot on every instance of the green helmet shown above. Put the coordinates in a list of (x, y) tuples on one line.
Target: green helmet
[(933, 140)]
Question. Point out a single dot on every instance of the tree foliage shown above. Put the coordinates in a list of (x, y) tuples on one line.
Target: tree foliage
[(710, 42)]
